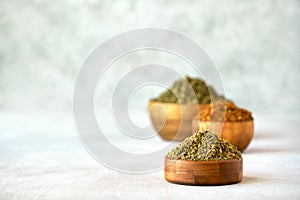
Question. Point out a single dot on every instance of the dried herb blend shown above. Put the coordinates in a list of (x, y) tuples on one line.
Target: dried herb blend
[(188, 91), (229, 110), (206, 146)]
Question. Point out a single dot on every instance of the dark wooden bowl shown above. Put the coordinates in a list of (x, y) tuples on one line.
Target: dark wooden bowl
[(173, 121), (188, 172), (239, 134)]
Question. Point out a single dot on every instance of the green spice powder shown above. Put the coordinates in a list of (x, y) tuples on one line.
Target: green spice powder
[(205, 146), (188, 91)]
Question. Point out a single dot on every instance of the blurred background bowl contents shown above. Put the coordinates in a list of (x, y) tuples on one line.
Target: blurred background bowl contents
[(173, 111), (232, 123)]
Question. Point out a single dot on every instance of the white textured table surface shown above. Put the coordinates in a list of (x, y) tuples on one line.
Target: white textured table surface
[(41, 158)]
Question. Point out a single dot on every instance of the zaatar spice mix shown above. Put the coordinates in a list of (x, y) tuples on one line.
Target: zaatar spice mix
[(188, 91), (205, 146)]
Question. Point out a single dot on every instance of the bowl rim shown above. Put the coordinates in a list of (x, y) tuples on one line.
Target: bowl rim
[(166, 103), (204, 161), (196, 118)]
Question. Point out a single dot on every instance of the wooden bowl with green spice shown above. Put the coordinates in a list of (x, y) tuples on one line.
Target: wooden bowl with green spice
[(173, 111), (204, 159)]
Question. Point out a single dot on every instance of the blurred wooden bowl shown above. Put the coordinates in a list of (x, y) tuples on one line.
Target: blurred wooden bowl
[(221, 172), (173, 121), (239, 134)]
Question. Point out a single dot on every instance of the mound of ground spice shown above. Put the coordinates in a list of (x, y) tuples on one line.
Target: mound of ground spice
[(188, 91), (206, 146), (226, 111)]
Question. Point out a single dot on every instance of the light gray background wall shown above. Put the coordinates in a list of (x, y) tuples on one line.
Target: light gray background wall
[(254, 44)]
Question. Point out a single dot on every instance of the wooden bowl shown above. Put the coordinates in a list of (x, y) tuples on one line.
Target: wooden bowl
[(173, 121), (239, 134), (221, 172)]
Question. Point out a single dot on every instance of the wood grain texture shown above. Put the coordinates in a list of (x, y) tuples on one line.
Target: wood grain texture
[(203, 172), (239, 134), (173, 121)]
